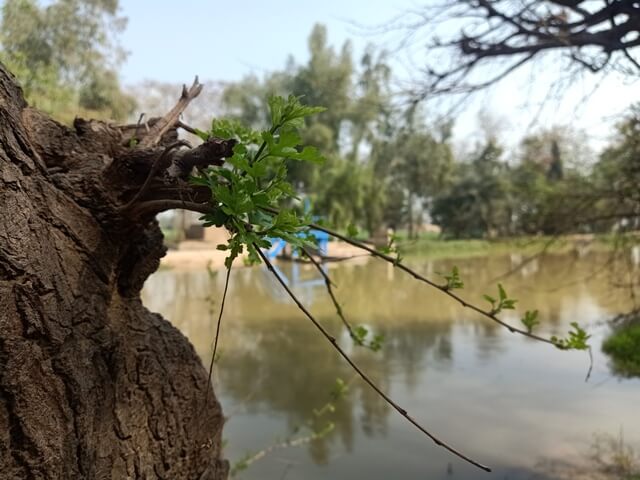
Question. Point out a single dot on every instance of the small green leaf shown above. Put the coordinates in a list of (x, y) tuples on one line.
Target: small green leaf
[(352, 231), (502, 303), (508, 304), (360, 333), (453, 279), (376, 343), (340, 388), (502, 293), (577, 339), (489, 299), (530, 320)]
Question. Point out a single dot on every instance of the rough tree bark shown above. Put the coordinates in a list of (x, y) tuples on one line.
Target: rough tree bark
[(92, 384)]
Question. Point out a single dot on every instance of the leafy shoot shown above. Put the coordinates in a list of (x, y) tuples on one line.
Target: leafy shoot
[(577, 339), (503, 302), (254, 179), (453, 280), (530, 320)]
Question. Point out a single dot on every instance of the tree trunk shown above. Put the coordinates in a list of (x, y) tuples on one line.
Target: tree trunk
[(92, 384), (410, 216)]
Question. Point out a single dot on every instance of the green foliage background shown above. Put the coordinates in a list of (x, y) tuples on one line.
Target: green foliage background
[(65, 57), (389, 163)]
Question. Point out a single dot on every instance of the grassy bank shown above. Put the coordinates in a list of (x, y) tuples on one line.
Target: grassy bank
[(623, 347), (434, 247)]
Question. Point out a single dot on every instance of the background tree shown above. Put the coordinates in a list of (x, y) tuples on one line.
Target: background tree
[(473, 44), (64, 55), (346, 189), (547, 162), (422, 166), (616, 177), (477, 203), (326, 80)]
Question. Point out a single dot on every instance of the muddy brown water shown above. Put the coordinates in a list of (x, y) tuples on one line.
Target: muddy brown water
[(521, 407)]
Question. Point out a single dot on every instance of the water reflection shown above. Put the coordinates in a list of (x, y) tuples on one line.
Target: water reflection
[(501, 398)]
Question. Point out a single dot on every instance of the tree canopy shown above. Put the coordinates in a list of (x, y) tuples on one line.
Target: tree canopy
[(65, 56)]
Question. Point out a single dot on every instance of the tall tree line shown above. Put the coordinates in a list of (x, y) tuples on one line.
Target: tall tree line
[(390, 166), (387, 164)]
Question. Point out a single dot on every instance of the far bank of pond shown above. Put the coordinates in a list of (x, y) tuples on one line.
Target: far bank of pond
[(193, 255), (433, 246)]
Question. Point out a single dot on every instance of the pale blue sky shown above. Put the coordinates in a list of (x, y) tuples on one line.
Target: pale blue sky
[(170, 41), (219, 40)]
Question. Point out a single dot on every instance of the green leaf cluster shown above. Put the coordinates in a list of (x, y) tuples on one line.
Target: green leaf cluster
[(453, 280), (392, 248), (577, 339), (364, 338), (340, 389), (530, 320), (503, 302), (254, 180)]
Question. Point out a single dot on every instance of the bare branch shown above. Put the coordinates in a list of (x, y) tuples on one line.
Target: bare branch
[(215, 341), (171, 118), (486, 30), (417, 276), (363, 375), (328, 284), (176, 166), (161, 205)]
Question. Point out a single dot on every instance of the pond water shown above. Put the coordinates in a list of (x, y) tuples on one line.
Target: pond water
[(520, 406)]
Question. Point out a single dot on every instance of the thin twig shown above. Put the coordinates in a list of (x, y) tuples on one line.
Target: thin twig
[(187, 128), (203, 208), (526, 261), (329, 284), (291, 442), (488, 314), (586, 379), (422, 278), (363, 375), (215, 341)]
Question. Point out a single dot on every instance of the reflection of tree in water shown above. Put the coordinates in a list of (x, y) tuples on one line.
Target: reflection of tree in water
[(623, 346), (375, 295), (272, 355), (286, 368)]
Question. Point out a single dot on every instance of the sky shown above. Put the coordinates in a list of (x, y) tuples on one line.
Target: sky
[(227, 40), (172, 42)]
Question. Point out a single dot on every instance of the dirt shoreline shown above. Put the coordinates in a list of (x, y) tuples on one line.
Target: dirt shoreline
[(198, 255)]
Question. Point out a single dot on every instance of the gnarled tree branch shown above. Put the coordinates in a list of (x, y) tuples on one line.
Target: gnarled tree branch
[(468, 34)]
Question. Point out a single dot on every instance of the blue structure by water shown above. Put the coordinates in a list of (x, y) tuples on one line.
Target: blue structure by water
[(304, 288), (278, 245)]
